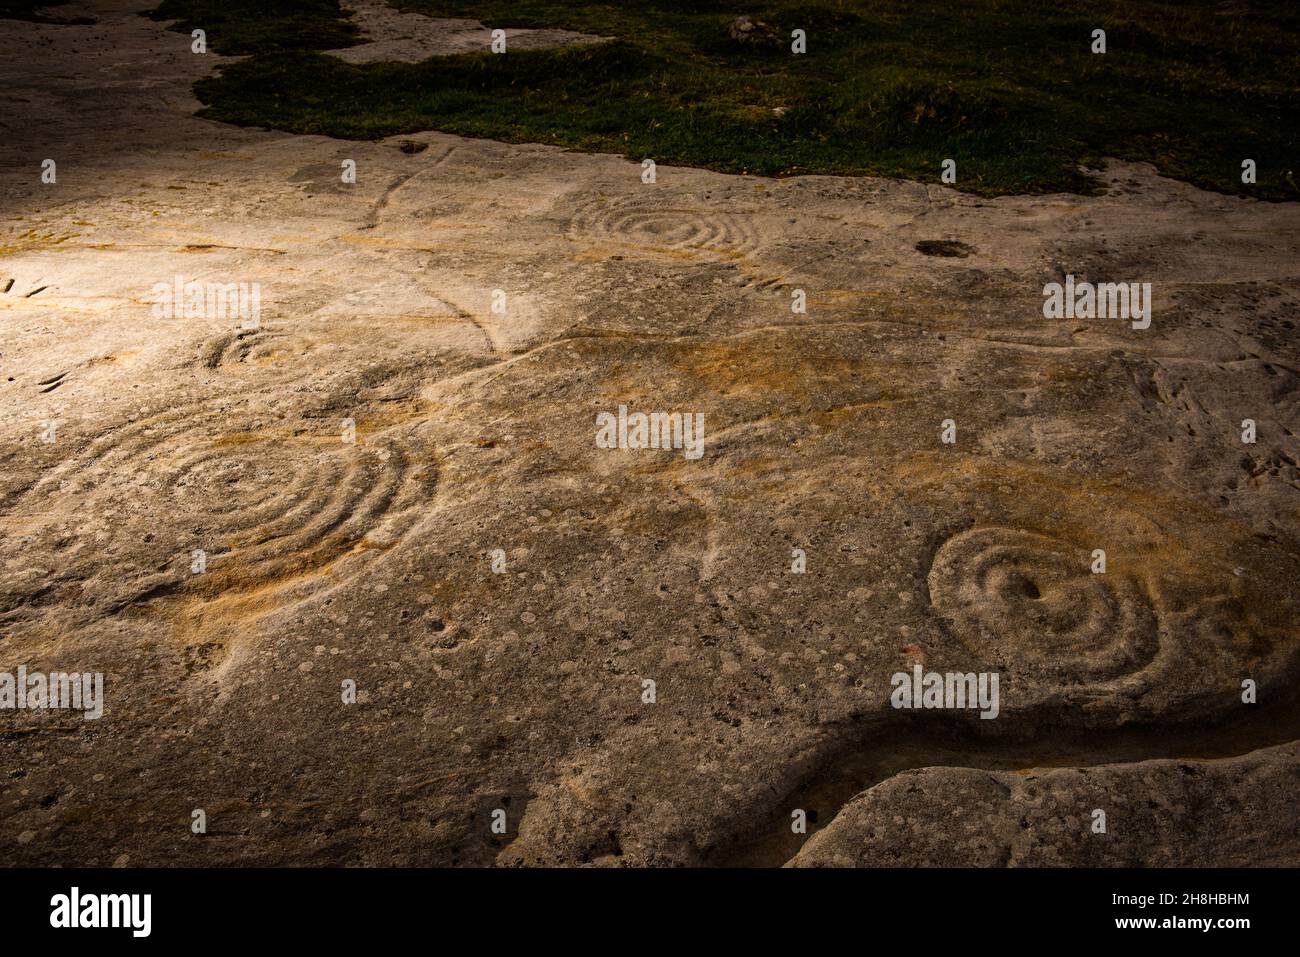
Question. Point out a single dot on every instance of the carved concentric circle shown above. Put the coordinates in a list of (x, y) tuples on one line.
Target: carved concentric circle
[(665, 226), (1031, 604), (269, 499), (250, 348)]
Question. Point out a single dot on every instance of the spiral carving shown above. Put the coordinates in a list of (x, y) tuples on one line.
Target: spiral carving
[(1031, 604)]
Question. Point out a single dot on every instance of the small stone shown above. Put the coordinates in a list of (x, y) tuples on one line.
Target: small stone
[(753, 33)]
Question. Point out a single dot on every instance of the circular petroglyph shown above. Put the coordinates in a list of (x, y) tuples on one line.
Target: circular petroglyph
[(1031, 604), (665, 226), (271, 500), (249, 347)]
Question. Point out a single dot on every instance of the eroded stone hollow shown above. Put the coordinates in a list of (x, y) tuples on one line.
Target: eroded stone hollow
[(393, 482)]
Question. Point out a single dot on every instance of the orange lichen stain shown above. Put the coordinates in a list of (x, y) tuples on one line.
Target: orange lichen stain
[(459, 224), (573, 785), (301, 239), (380, 243), (575, 335), (385, 415), (761, 465), (752, 365), (235, 439), (829, 298), (31, 239), (423, 318), (837, 415), (1059, 373), (990, 477), (229, 806), (221, 604), (535, 446), (112, 357)]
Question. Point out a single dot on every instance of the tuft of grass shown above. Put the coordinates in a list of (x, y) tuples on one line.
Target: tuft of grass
[(1008, 88)]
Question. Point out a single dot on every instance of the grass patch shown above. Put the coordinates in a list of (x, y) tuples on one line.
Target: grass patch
[(1007, 88)]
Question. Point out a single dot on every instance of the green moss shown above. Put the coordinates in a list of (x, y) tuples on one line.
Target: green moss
[(1008, 88)]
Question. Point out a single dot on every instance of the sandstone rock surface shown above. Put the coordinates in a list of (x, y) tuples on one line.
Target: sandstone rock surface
[(1156, 814), (372, 560)]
